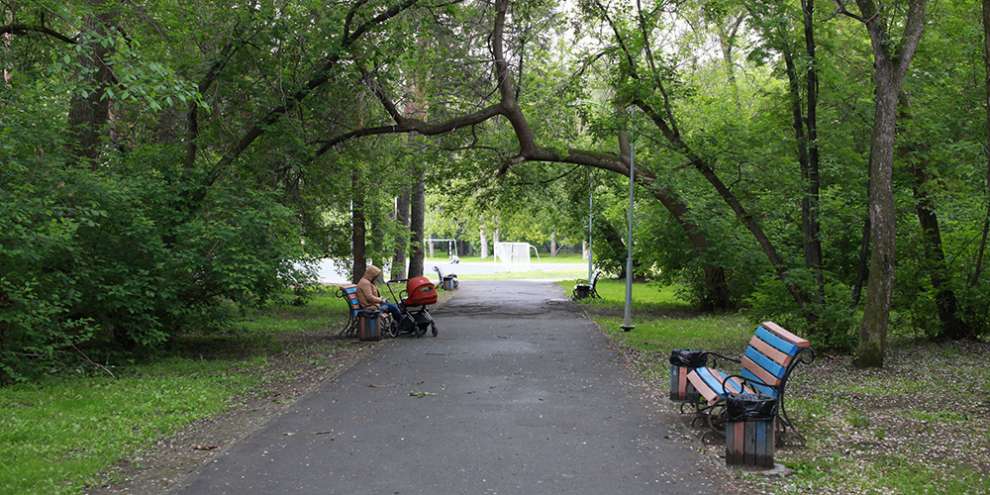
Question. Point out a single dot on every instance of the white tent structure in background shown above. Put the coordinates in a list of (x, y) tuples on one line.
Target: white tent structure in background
[(514, 254)]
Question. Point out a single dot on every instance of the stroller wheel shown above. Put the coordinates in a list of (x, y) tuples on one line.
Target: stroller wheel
[(433, 329), (420, 331)]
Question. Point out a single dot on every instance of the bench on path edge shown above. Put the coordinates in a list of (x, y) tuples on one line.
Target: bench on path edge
[(348, 292), (590, 289), (764, 368)]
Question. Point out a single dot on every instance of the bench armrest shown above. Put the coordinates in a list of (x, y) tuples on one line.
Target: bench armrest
[(746, 381), (716, 356)]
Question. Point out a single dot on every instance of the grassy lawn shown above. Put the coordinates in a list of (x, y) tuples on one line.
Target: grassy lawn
[(544, 259), (561, 274), (59, 433), (920, 425)]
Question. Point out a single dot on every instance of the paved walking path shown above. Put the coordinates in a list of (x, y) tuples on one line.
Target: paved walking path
[(529, 400)]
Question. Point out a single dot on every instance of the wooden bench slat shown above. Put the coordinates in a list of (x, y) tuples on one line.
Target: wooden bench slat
[(764, 362), (702, 387), (762, 374), (770, 351), (784, 334), (768, 391), (774, 340)]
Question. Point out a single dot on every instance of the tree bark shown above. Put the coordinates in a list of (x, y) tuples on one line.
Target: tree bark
[(416, 220), (90, 114), (483, 240), (945, 298), (358, 227), (812, 177), (401, 240), (553, 243), (978, 264), (880, 281), (863, 270), (890, 66)]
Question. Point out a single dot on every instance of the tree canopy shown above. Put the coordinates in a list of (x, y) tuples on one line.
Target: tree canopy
[(822, 164)]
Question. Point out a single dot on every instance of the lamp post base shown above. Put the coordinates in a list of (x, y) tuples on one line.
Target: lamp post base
[(626, 328)]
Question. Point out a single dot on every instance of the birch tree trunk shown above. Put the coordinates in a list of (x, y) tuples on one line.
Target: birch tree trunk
[(401, 240)]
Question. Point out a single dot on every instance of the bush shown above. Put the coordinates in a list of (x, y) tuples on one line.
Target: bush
[(117, 254)]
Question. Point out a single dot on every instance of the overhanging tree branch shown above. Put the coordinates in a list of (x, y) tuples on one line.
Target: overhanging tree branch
[(26, 29)]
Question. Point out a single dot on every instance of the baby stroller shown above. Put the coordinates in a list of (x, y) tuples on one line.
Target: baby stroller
[(416, 319)]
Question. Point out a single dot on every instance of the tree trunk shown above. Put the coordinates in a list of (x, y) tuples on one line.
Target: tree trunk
[(553, 243), (358, 226), (417, 217), (863, 270), (90, 114), (880, 282), (890, 64), (717, 295), (812, 178), (401, 240), (945, 298), (584, 250), (376, 218), (483, 240), (978, 264), (430, 247)]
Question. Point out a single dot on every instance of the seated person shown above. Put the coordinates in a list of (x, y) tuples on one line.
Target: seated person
[(368, 296)]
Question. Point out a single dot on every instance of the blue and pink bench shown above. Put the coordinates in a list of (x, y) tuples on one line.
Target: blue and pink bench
[(764, 368), (348, 292)]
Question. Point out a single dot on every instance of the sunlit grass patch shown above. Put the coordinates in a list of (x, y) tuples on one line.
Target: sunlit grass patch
[(57, 434)]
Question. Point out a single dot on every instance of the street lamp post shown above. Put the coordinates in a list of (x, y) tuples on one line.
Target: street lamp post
[(627, 324), (591, 215)]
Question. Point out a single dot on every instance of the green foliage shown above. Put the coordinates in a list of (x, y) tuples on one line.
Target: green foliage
[(107, 255)]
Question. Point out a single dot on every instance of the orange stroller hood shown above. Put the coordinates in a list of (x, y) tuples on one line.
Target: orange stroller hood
[(421, 292)]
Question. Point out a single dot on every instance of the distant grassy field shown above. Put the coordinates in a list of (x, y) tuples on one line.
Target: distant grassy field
[(58, 433), (915, 427), (543, 259)]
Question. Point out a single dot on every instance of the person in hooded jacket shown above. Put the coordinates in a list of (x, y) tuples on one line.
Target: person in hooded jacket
[(368, 296)]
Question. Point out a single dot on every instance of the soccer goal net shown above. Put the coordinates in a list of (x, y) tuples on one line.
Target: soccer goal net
[(513, 254)]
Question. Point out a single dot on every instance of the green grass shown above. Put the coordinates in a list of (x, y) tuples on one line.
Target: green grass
[(563, 274), (646, 296), (544, 259), (663, 322), (59, 433)]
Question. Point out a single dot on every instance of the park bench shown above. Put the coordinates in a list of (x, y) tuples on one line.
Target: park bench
[(447, 282), (348, 292), (582, 291), (764, 368)]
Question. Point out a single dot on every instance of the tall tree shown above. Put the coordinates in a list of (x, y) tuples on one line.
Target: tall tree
[(358, 226), (89, 110), (891, 60), (417, 217), (402, 239), (980, 253)]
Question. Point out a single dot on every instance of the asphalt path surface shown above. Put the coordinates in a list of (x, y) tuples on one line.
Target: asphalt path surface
[(519, 394)]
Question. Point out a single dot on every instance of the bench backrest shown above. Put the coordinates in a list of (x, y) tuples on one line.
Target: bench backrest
[(594, 279), (350, 292), (769, 356)]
